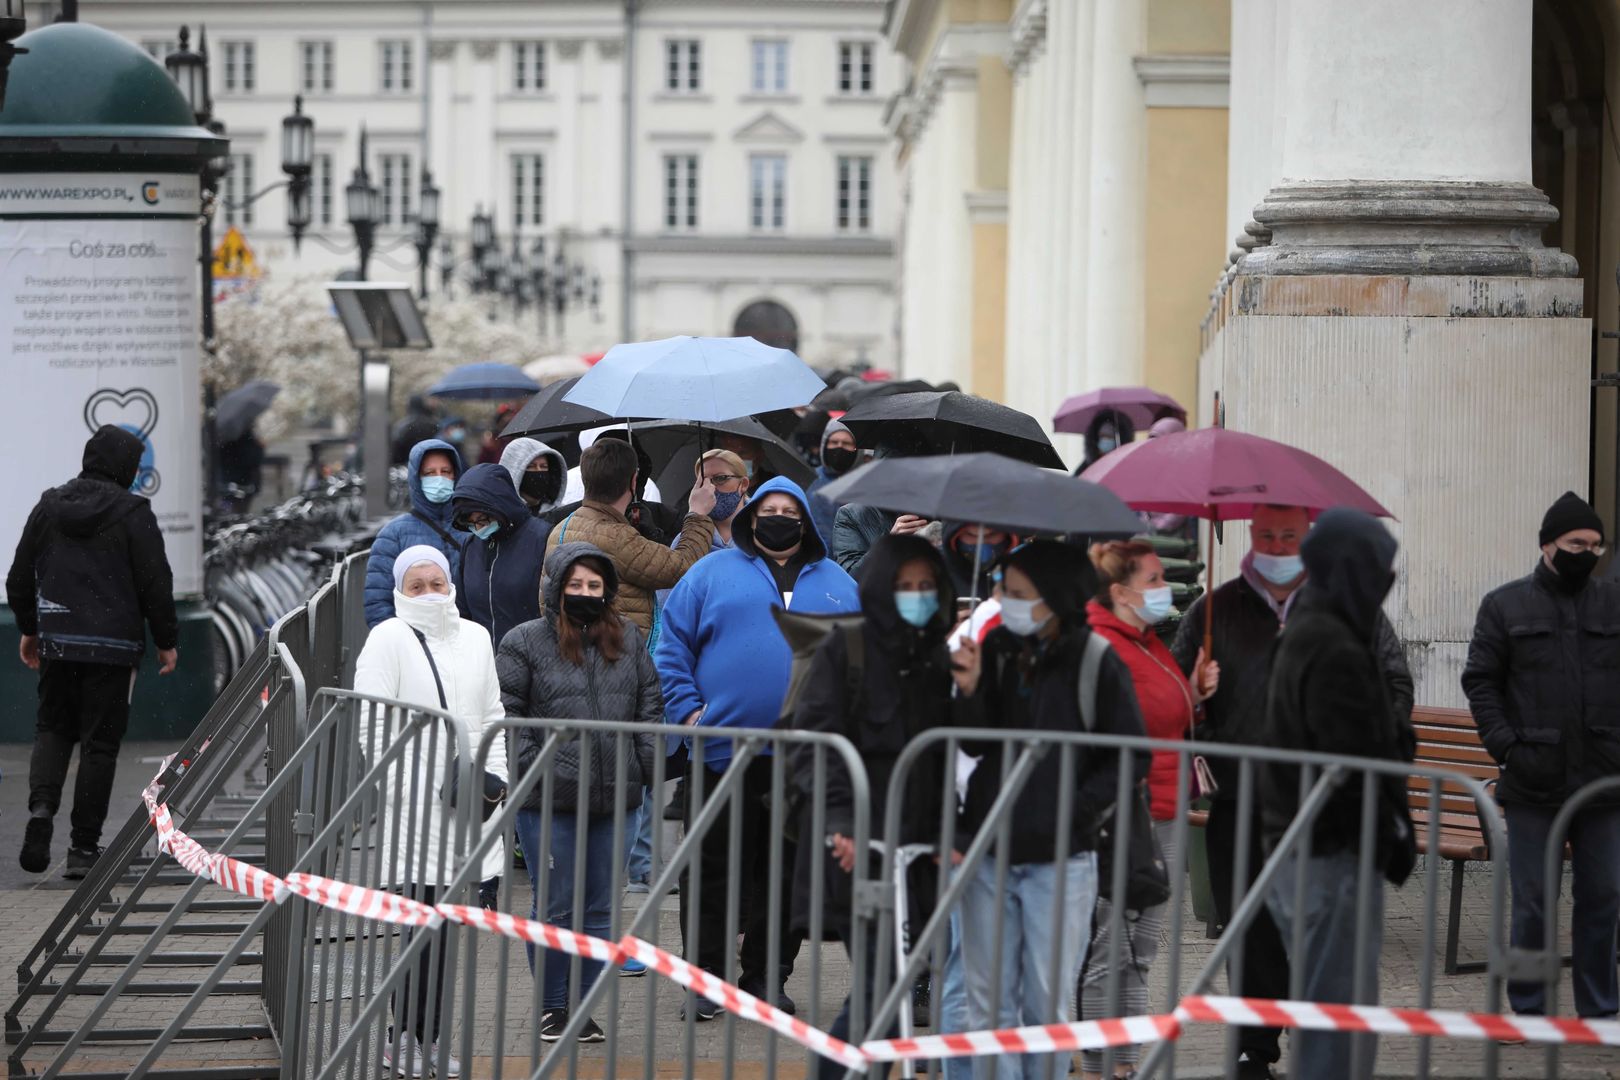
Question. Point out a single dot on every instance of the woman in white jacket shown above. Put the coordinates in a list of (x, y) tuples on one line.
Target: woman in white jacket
[(459, 679)]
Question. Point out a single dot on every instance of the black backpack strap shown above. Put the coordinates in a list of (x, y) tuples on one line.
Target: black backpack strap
[(443, 703), (434, 525)]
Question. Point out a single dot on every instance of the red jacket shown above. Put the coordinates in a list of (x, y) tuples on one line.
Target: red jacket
[(1163, 692)]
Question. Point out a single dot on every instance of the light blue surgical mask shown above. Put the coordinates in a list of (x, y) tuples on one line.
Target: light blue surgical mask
[(1018, 616), (1157, 604), (917, 608), (1279, 569), (1107, 444), (487, 530), (437, 489)]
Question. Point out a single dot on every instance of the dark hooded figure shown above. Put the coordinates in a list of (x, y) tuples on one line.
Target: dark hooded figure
[(498, 581), (417, 424), (1326, 695), (1107, 432), (89, 576)]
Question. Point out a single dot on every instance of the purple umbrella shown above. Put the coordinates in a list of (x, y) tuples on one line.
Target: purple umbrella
[(1137, 404)]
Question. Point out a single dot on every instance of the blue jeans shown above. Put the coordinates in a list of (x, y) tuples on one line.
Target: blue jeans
[(1038, 945), (952, 1011), (1594, 841), (638, 826), (597, 894), (1328, 956)]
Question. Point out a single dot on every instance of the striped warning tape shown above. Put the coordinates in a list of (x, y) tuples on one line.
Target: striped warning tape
[(1384, 1020)]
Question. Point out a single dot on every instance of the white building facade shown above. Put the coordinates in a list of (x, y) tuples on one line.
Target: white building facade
[(758, 175)]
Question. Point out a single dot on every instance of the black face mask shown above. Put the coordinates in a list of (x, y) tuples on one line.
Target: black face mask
[(838, 459), (778, 532), (542, 487), (1573, 569), (582, 609)]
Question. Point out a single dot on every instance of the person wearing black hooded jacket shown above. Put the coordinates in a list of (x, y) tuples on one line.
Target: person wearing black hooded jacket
[(89, 575), (1326, 696), (498, 581)]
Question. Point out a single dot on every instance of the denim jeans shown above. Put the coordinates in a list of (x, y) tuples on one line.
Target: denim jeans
[(952, 1010), (638, 826), (1328, 956), (1038, 945), (1594, 841), (597, 894)]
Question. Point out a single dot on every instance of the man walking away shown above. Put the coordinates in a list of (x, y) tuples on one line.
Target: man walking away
[(1327, 696), (1543, 681), (90, 573)]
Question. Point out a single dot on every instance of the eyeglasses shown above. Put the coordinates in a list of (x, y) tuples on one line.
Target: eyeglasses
[(475, 521), (719, 479), (1581, 547)]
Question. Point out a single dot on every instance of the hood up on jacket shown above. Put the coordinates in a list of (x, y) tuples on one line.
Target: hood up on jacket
[(100, 495), (834, 427), (561, 561), (112, 454), (520, 454), (876, 580), (488, 487), (439, 512), (812, 549), (1062, 574), (1349, 565)]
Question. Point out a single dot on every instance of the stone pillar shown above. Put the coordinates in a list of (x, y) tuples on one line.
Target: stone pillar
[(1115, 292), (1403, 319)]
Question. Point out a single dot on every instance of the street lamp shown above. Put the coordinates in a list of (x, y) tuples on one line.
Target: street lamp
[(298, 161), (362, 201), (483, 240), (189, 71), (447, 265), (427, 227), (13, 24)]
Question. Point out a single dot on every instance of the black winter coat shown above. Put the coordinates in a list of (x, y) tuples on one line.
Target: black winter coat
[(537, 683), (1245, 630), (1543, 681), (855, 529), (91, 569), (498, 581)]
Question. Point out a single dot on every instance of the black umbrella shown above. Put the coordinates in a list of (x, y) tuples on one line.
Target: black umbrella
[(235, 412), (951, 422), (675, 445), (547, 413), (880, 389), (987, 489)]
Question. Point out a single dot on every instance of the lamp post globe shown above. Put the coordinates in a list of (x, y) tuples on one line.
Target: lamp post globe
[(298, 162)]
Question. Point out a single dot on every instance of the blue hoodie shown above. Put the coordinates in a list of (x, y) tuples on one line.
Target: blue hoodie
[(498, 585), (719, 648), (407, 530)]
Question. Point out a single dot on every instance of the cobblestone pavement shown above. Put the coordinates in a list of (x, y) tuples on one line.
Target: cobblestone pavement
[(648, 1010)]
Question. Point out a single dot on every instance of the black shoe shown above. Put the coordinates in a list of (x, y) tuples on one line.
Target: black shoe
[(1249, 1068), (703, 1009), (489, 894), (552, 1022), (79, 862), (675, 809), (592, 1032), (757, 988), (922, 996), (36, 849)]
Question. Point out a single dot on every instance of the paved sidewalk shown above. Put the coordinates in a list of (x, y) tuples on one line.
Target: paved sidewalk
[(650, 1026)]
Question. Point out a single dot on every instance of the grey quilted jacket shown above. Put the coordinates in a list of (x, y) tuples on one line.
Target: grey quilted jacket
[(536, 682)]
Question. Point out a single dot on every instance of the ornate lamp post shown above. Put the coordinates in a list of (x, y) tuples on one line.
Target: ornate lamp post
[(298, 161), (483, 241), (427, 227), (364, 205)]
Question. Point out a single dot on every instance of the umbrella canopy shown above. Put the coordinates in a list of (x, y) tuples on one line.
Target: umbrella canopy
[(674, 447), (550, 369), (696, 378), (546, 413), (1224, 475), (987, 489), (235, 412), (487, 381), (951, 422), (1137, 404)]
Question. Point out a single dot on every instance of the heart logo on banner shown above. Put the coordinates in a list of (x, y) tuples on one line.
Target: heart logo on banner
[(134, 410)]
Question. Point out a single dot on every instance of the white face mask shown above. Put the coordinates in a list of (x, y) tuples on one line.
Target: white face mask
[(1018, 616)]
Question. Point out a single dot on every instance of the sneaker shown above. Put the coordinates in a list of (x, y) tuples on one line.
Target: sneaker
[(757, 988), (632, 968), (410, 1061), (638, 885), (1249, 1068), (452, 1067), (592, 1033), (79, 862), (552, 1023), (489, 894), (922, 996), (703, 1009), (36, 849)]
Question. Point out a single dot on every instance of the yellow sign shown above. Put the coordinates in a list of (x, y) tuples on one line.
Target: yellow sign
[(233, 258)]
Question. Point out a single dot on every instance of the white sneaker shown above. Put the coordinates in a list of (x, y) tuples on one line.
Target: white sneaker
[(452, 1068), (410, 1061)]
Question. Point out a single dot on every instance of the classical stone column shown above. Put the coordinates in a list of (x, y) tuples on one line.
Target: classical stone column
[(1403, 318)]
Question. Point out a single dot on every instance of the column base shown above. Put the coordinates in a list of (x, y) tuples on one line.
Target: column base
[(1405, 227)]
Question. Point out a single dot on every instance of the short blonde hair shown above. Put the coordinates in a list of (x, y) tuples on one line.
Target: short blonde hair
[(733, 462)]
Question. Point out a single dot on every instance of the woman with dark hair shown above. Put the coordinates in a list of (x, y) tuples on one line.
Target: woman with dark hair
[(1108, 431), (581, 660)]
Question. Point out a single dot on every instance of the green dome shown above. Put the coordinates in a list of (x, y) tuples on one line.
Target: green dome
[(79, 82)]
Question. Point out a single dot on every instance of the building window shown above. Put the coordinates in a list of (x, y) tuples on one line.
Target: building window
[(683, 69), (855, 67), (158, 49), (320, 181), (680, 191), (315, 66), (528, 189), (768, 191), (394, 72), (395, 181), (855, 194), (770, 67), (239, 73), (528, 66), (238, 187)]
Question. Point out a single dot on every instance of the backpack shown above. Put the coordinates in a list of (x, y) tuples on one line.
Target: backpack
[(805, 635)]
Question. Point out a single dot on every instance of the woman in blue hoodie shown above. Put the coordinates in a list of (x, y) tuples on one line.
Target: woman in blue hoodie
[(435, 468), (498, 585)]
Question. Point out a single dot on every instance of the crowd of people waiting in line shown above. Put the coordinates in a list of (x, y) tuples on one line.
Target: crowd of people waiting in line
[(496, 595)]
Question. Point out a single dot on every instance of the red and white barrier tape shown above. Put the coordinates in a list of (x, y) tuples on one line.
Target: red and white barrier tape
[(1384, 1020), (1043, 1039), (535, 933)]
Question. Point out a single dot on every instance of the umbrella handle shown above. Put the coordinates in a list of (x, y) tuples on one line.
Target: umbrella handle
[(1209, 594)]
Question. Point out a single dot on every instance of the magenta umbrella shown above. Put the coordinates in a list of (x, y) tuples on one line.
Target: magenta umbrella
[(1137, 404), (1224, 475)]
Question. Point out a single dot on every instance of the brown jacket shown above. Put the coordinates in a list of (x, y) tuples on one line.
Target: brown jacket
[(644, 566)]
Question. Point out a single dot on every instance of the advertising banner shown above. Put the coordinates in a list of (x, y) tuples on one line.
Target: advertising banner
[(99, 324)]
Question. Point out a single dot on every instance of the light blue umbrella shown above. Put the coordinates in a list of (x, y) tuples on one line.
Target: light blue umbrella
[(487, 381), (696, 378)]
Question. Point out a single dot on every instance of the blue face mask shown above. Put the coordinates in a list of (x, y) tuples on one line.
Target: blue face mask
[(437, 489), (1157, 604), (487, 530), (917, 608), (1107, 444), (726, 504), (1279, 569)]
